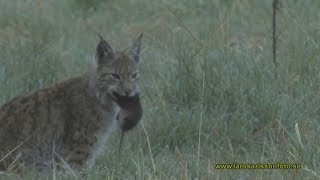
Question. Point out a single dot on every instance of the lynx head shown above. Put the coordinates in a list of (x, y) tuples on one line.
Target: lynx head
[(117, 73)]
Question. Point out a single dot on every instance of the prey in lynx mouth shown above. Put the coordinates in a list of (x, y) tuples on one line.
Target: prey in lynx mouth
[(130, 113)]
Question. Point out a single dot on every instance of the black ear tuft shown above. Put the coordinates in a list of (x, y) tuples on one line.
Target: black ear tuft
[(134, 51), (101, 38), (104, 52)]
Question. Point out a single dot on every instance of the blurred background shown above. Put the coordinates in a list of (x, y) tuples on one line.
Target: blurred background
[(211, 92)]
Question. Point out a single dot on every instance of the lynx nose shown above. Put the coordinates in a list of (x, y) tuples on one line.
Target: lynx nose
[(128, 92), (128, 89)]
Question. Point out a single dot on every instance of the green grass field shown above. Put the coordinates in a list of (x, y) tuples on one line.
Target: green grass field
[(211, 93)]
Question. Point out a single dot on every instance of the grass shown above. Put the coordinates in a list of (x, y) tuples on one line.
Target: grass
[(211, 93)]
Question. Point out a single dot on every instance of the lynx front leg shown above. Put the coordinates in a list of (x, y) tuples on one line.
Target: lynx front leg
[(76, 158), (35, 161)]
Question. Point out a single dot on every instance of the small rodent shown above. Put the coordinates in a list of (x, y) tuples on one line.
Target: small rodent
[(130, 111)]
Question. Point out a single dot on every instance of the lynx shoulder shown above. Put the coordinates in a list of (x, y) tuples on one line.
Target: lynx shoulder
[(71, 120)]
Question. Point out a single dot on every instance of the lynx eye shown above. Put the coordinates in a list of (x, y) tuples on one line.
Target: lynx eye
[(115, 76), (134, 76)]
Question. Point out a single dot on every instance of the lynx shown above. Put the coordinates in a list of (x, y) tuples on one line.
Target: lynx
[(71, 121)]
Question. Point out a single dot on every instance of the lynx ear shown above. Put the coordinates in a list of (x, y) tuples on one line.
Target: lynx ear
[(104, 52), (134, 51)]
